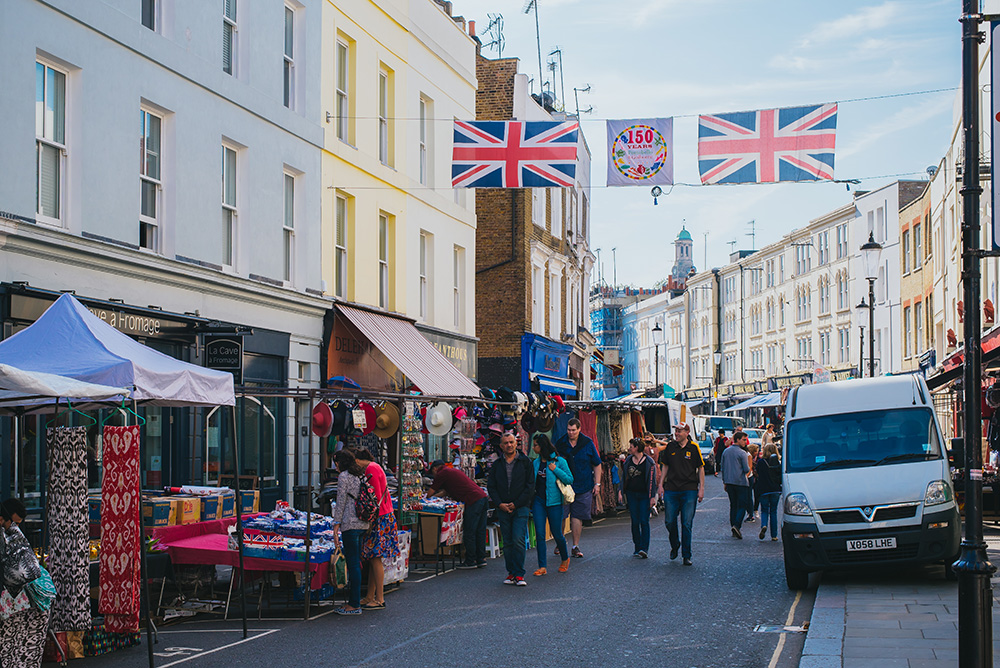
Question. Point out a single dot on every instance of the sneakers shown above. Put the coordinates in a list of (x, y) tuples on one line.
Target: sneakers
[(564, 566), (577, 553), (345, 611), (687, 562), (642, 554), (467, 567), (519, 581), (763, 532), (774, 538), (509, 580), (737, 534), (540, 572), (635, 555), (673, 552), (481, 564), (751, 518)]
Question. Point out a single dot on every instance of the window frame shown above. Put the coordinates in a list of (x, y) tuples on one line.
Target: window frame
[(230, 208), (384, 276), (458, 260), (341, 246), (230, 28), (288, 57), (422, 263), (288, 228), (343, 91), (422, 136), (149, 19), (156, 182), (56, 143), (384, 112)]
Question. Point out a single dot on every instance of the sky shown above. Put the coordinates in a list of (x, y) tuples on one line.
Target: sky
[(681, 58)]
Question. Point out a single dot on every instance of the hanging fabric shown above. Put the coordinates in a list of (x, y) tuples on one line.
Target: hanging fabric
[(121, 531), (604, 443), (588, 424), (638, 424), (69, 534), (615, 425)]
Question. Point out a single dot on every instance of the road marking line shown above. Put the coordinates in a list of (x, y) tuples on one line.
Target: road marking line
[(781, 637), (216, 631), (217, 649)]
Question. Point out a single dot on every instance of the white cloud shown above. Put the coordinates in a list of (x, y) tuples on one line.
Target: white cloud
[(848, 27)]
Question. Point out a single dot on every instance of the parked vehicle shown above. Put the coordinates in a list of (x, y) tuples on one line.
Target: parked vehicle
[(756, 436), (706, 430), (865, 478)]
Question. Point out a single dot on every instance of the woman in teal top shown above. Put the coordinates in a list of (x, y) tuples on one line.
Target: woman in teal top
[(548, 501)]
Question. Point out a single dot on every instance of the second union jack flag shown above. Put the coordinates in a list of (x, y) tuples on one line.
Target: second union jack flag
[(514, 154), (792, 144)]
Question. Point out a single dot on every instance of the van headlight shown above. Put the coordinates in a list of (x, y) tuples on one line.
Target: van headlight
[(796, 504), (938, 492)]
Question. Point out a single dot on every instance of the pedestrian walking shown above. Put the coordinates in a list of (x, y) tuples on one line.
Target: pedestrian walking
[(640, 494), (585, 464), (752, 460), (768, 436), (348, 529), (721, 443), (735, 472), (768, 475), (460, 487), (382, 540), (511, 484), (681, 481), (547, 504)]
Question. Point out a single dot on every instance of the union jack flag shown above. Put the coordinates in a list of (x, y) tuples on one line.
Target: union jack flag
[(514, 154), (766, 146)]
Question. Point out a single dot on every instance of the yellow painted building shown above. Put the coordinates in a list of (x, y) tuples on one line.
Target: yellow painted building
[(395, 235)]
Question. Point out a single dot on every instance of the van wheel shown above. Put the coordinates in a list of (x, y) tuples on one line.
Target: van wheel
[(796, 578)]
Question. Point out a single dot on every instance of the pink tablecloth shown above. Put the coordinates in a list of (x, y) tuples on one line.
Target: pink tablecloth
[(213, 549)]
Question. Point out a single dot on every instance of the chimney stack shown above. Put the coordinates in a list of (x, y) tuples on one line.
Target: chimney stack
[(472, 28)]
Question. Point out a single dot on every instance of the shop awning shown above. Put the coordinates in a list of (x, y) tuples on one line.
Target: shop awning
[(554, 385), (413, 355), (747, 403)]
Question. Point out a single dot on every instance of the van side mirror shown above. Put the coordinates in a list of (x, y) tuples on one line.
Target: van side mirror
[(956, 454)]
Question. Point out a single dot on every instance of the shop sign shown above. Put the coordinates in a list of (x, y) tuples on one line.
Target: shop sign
[(551, 363), (30, 308), (700, 393), (225, 354), (783, 382), (928, 360), (743, 388), (463, 354), (842, 374)]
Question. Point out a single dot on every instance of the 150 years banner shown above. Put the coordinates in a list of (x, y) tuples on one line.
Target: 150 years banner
[(641, 152)]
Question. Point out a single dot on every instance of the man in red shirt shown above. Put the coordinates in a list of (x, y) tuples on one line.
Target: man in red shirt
[(460, 487)]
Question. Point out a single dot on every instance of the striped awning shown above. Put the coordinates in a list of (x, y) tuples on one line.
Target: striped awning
[(413, 355)]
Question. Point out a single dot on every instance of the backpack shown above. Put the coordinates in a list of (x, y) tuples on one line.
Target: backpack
[(366, 505)]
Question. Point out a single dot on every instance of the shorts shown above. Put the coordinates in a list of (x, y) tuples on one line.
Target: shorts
[(581, 506)]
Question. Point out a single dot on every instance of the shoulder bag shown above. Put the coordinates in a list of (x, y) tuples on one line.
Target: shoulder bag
[(568, 495)]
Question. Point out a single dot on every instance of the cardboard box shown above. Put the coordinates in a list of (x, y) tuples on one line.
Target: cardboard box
[(156, 512), (251, 500), (211, 507), (227, 505), (189, 509), (94, 509)]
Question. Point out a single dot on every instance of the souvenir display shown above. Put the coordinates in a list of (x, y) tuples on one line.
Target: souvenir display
[(411, 464)]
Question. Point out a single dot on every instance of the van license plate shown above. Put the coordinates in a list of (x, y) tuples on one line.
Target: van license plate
[(871, 544)]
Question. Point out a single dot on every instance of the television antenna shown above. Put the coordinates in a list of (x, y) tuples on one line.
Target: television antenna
[(732, 246), (585, 89), (528, 7), (752, 234), (495, 32)]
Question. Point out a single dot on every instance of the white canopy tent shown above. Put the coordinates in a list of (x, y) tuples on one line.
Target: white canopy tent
[(70, 341), (18, 386)]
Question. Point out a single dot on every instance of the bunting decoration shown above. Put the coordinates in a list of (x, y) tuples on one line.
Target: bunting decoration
[(767, 146), (641, 152), (514, 154)]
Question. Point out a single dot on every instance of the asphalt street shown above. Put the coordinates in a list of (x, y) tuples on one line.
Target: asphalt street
[(609, 610)]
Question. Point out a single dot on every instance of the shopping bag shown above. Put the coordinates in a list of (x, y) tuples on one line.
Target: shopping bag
[(56, 647), (338, 570)]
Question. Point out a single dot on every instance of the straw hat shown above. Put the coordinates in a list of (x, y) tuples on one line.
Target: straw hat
[(386, 419)]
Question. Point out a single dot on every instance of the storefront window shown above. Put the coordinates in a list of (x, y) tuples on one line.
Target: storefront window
[(213, 446), (258, 441)]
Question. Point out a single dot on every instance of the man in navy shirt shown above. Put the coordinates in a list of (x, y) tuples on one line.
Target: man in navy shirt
[(585, 461)]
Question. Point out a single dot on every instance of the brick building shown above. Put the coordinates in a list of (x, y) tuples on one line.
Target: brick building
[(533, 259)]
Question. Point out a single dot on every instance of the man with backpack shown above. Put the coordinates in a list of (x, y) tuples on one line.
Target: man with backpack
[(511, 486)]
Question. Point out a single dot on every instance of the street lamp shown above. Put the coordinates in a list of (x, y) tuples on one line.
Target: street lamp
[(717, 356), (861, 307), (871, 254), (657, 340)]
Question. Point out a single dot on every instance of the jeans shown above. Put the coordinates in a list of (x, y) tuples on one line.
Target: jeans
[(352, 552), (738, 504), (683, 504), (769, 511), (638, 509), (553, 514), (474, 532), (513, 532)]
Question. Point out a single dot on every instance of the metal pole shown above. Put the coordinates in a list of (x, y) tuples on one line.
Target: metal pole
[(143, 568), (239, 520), (861, 352), (307, 574), (975, 593), (871, 328), (541, 72), (656, 363)]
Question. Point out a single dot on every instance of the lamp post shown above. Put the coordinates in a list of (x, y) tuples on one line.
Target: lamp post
[(861, 307), (717, 356), (657, 340), (871, 254)]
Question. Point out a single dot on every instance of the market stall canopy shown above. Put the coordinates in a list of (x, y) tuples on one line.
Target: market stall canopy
[(68, 340), (758, 401), (411, 353), (18, 386)]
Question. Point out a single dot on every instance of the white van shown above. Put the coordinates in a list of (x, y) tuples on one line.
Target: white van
[(865, 479)]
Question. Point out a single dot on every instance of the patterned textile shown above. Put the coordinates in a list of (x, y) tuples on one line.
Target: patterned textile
[(20, 565), (98, 640), (615, 427), (382, 540), (604, 432), (69, 534), (22, 639), (11, 605), (41, 591), (120, 530)]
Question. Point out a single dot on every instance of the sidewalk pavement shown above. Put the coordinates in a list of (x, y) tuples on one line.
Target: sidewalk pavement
[(905, 620)]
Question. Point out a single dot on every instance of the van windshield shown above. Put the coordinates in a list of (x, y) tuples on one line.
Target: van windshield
[(869, 438), (726, 423)]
